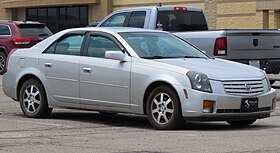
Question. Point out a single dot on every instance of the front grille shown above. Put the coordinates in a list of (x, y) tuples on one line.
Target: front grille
[(240, 111), (244, 88)]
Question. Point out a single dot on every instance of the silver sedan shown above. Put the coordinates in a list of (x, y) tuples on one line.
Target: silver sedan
[(138, 71)]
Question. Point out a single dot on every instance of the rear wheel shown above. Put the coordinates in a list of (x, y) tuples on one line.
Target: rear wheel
[(241, 123), (2, 62), (33, 101), (164, 109)]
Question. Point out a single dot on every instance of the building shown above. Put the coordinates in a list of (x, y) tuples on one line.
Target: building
[(221, 14)]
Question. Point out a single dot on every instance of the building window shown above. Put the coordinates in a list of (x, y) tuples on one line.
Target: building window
[(59, 18)]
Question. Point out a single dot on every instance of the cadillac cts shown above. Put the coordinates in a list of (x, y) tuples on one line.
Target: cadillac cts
[(135, 71)]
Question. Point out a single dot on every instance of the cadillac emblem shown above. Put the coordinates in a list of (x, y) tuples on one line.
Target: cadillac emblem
[(248, 87)]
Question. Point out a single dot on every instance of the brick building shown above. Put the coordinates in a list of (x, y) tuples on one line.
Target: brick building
[(221, 14)]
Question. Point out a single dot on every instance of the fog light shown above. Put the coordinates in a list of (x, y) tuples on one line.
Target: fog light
[(208, 106)]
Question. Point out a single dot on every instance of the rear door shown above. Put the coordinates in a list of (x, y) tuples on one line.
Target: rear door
[(60, 67)]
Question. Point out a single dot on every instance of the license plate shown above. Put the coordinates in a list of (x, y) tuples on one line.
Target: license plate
[(255, 63), (249, 104)]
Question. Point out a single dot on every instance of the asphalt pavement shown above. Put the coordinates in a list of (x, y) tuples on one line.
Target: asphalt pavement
[(74, 131)]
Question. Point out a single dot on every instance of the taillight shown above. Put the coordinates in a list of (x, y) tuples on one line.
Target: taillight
[(180, 8), (21, 41), (7, 59), (220, 48)]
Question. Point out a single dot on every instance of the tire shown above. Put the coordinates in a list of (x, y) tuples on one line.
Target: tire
[(241, 123), (3, 58), (33, 101), (164, 109)]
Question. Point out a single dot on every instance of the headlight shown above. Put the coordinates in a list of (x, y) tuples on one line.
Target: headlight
[(199, 81), (267, 80)]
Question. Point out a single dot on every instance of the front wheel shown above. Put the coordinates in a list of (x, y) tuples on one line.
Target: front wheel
[(241, 123), (33, 101), (164, 109)]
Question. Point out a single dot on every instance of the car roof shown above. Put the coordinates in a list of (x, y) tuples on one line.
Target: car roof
[(115, 29), (19, 22), (162, 8)]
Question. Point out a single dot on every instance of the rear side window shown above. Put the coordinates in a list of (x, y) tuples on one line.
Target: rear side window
[(137, 19), (70, 45), (29, 30), (181, 21), (4, 30), (116, 20)]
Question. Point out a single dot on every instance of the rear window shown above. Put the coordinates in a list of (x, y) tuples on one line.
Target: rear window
[(181, 21), (28, 30)]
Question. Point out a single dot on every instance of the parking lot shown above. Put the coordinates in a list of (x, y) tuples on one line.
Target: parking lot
[(84, 131)]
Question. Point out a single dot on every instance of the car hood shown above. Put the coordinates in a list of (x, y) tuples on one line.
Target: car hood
[(217, 69)]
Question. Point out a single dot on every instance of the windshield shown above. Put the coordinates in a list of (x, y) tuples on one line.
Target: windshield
[(160, 45), (181, 21)]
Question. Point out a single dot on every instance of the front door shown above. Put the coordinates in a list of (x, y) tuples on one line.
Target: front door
[(104, 82)]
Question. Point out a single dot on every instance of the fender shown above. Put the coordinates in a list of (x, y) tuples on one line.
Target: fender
[(30, 71)]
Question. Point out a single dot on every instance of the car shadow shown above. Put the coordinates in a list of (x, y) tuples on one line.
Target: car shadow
[(141, 122)]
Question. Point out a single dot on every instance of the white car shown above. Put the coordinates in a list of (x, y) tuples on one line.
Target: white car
[(135, 71)]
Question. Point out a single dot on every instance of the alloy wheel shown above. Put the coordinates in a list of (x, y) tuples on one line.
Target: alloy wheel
[(162, 108), (2, 63), (31, 99)]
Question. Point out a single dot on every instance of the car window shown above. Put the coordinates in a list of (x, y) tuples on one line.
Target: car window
[(98, 45), (4, 30), (181, 21), (28, 30), (160, 45), (116, 20), (70, 45), (137, 19)]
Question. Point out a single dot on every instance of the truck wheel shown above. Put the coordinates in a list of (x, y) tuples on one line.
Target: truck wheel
[(2, 63), (164, 109), (33, 101), (241, 123)]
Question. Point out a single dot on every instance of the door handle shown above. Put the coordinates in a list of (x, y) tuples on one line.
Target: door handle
[(48, 65), (86, 70)]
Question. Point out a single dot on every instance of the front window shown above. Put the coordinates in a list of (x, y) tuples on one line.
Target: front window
[(98, 45), (116, 20), (160, 45)]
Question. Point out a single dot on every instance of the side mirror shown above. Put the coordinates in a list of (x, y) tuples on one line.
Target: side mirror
[(116, 55)]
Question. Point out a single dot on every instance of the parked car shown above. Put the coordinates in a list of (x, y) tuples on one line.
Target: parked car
[(19, 34), (135, 71), (259, 48)]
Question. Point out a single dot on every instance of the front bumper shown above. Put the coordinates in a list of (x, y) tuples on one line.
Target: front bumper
[(226, 107)]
